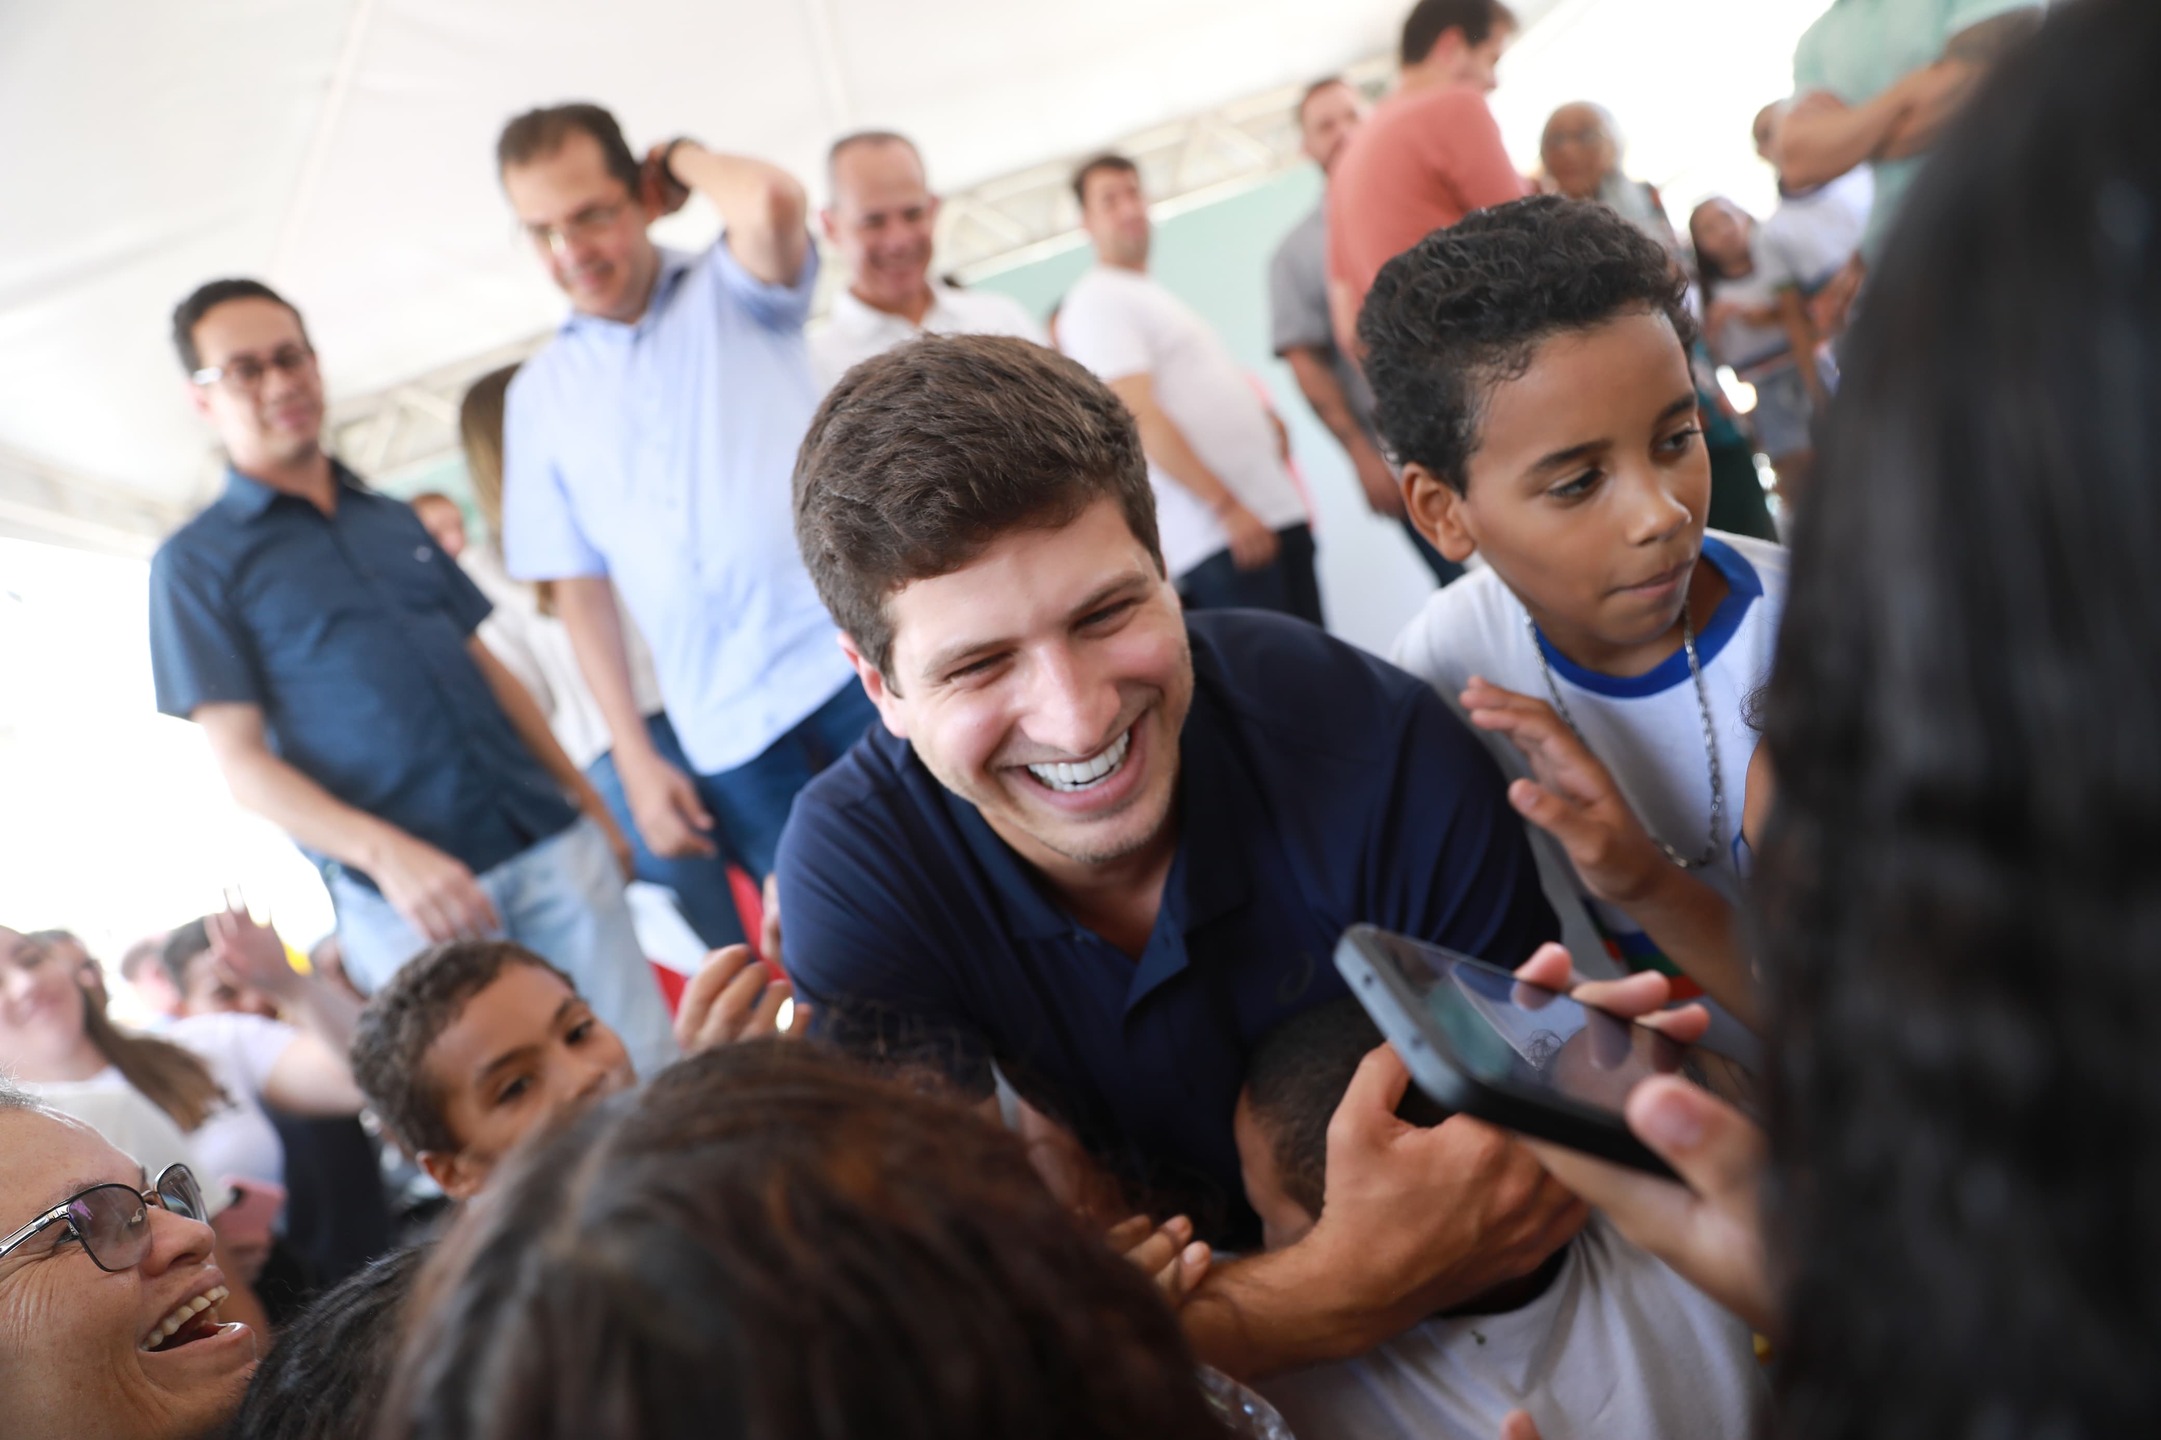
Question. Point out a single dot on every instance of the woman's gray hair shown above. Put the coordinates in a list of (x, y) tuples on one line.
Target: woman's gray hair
[(14, 1097)]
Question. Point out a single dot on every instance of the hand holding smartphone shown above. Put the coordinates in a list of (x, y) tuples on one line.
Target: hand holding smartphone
[(1480, 1041)]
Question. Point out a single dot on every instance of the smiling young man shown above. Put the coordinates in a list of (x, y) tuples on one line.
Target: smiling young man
[(883, 220), (1105, 845), (327, 649), (1532, 374)]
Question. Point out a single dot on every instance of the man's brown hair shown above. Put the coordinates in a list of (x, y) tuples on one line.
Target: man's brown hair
[(537, 134), (920, 458), (1429, 20), (1104, 164)]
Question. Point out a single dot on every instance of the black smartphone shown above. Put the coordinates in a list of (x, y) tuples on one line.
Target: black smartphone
[(1480, 1041)]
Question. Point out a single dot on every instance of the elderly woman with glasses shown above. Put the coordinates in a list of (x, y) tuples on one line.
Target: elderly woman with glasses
[(109, 1300)]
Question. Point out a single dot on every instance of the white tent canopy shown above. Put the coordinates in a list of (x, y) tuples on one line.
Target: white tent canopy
[(343, 152)]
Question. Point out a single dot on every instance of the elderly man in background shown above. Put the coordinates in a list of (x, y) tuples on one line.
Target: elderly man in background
[(883, 220), (1328, 114)]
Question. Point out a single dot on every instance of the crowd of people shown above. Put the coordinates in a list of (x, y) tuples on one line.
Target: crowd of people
[(963, 678)]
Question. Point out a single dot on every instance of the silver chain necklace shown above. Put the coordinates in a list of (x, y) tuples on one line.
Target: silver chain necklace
[(1710, 733)]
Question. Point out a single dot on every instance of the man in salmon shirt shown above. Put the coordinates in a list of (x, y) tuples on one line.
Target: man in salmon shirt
[(1430, 155)]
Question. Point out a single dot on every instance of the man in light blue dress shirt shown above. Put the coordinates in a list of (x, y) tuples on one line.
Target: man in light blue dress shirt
[(651, 445)]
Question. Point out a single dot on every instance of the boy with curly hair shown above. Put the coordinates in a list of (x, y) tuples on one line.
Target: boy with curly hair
[(1530, 367)]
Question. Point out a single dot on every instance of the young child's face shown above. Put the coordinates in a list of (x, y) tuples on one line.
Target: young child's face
[(1588, 489), (522, 1051), (1283, 1220)]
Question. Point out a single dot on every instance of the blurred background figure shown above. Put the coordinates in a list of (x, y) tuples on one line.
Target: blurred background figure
[(1580, 150), (1329, 113), (1816, 230), (1756, 321)]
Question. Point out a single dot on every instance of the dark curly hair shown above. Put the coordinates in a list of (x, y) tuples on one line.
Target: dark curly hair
[(405, 1018), (770, 1241), (324, 1377), (1465, 308), (1961, 913)]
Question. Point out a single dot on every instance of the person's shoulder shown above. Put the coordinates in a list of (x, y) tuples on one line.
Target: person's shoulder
[(992, 312), (1750, 562), (1303, 242), (1290, 684), (870, 791), (1457, 630)]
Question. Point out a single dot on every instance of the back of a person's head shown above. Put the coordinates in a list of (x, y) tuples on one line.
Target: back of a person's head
[(920, 459), (1959, 911), (404, 1019), (325, 1375), (1429, 20), (770, 1242), (1295, 1079), (1464, 308)]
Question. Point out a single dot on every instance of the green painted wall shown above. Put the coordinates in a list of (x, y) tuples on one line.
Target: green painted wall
[(1215, 258)]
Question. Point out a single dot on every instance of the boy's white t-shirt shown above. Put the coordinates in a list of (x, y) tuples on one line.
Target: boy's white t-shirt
[(1118, 323), (1619, 1347), (237, 1139), (1648, 729)]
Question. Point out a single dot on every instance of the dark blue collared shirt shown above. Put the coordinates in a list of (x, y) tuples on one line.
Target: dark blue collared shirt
[(349, 630), (1318, 787)]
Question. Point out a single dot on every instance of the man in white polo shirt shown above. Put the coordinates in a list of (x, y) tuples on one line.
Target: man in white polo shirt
[(882, 219), (1233, 528)]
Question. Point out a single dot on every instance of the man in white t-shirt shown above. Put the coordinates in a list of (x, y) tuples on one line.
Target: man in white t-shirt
[(883, 220), (1233, 527), (1602, 1340)]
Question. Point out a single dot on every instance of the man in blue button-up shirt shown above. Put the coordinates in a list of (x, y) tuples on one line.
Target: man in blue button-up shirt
[(326, 647), (650, 445)]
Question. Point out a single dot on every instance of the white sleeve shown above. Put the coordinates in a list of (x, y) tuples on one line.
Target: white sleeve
[(241, 1049), (1100, 329)]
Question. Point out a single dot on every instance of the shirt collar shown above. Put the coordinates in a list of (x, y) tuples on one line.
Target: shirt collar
[(853, 313), (674, 265), (245, 497)]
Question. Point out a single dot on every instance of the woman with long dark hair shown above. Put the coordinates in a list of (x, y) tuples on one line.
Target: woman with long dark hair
[(1960, 900)]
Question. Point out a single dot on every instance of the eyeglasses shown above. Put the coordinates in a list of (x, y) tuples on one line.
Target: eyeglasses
[(247, 372), (113, 1221), (584, 225)]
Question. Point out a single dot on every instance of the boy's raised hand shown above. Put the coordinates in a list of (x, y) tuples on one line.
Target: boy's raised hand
[(1571, 795), (732, 998)]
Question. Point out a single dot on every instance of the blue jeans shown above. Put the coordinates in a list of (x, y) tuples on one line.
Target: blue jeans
[(1286, 584), (750, 803), (562, 899), (700, 882)]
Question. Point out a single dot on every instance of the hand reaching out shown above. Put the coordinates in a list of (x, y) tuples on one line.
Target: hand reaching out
[(1571, 795), (1710, 1228), (1166, 1253), (251, 954), (734, 998)]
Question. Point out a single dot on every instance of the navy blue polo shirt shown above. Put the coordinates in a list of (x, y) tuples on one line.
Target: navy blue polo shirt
[(1318, 787), (349, 630)]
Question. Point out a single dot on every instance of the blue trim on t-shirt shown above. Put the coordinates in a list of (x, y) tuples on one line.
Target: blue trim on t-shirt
[(1743, 587)]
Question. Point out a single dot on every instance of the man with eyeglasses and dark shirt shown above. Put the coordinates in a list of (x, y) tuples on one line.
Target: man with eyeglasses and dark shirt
[(327, 649)]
